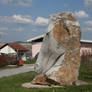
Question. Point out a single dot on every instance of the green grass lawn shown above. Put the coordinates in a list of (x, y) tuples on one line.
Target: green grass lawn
[(9, 67), (86, 72), (13, 83)]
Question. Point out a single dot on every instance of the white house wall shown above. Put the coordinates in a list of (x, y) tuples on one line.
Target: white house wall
[(36, 49), (85, 50), (7, 50)]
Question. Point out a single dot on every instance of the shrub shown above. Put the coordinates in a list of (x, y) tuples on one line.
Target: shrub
[(32, 61)]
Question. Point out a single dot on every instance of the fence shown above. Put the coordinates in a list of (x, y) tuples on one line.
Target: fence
[(3, 60), (8, 59)]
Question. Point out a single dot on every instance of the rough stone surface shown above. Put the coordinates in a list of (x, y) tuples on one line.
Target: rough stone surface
[(59, 58)]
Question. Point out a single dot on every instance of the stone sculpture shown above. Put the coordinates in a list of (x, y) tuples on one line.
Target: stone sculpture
[(59, 58)]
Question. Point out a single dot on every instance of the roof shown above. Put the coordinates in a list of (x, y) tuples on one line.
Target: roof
[(35, 38), (41, 36), (15, 46), (86, 41)]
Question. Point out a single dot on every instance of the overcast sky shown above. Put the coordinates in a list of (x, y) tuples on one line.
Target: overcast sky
[(21, 20)]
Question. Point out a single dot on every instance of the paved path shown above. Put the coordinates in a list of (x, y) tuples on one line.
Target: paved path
[(21, 69)]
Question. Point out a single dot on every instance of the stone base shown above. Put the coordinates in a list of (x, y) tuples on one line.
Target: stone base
[(30, 85), (80, 82)]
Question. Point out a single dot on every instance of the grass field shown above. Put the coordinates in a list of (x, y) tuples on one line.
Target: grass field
[(9, 67), (13, 83), (86, 72)]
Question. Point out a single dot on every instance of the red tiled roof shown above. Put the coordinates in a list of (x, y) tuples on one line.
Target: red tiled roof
[(16, 46)]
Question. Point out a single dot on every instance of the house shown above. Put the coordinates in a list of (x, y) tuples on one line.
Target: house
[(86, 45), (29, 47), (36, 44), (14, 49)]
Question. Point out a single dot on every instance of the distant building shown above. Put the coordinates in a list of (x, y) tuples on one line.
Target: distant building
[(29, 47), (86, 45), (14, 49), (36, 44)]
